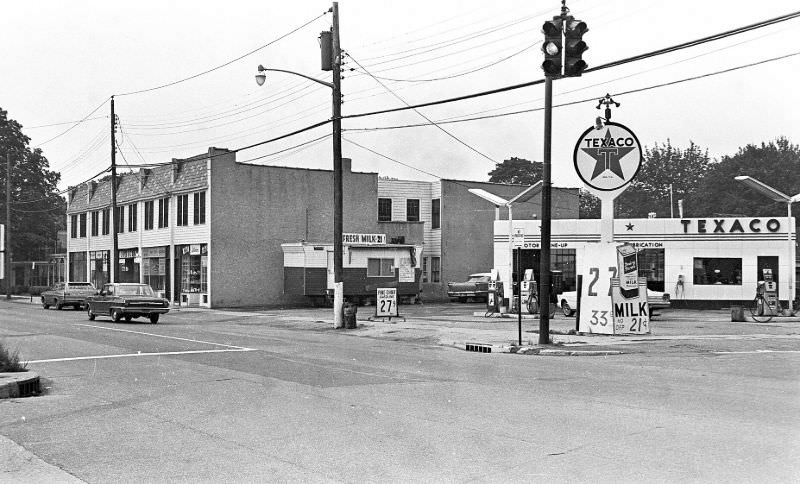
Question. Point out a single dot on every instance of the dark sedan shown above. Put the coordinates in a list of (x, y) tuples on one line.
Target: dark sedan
[(128, 301)]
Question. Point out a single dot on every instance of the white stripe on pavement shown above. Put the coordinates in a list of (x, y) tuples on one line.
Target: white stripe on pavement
[(132, 355), (754, 352), (164, 336)]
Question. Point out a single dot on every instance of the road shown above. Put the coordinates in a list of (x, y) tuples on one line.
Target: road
[(274, 396)]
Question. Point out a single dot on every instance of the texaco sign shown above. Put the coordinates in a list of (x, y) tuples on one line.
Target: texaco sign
[(607, 159)]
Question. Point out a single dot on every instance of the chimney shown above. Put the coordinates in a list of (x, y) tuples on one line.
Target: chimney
[(91, 188), (144, 174), (347, 166), (176, 169)]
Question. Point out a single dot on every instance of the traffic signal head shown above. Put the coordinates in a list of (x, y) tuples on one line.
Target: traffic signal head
[(574, 47), (552, 47)]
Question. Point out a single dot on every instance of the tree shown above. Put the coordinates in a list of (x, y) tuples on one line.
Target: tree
[(37, 209), (517, 171), (588, 205), (776, 164), (663, 165)]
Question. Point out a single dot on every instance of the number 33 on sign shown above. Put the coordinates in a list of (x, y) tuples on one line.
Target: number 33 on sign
[(596, 307)]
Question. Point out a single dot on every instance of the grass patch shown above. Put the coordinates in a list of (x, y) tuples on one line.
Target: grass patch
[(9, 361)]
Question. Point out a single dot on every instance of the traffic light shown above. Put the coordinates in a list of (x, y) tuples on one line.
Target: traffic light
[(574, 47), (552, 47)]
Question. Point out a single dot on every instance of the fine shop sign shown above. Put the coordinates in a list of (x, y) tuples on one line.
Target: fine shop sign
[(364, 239)]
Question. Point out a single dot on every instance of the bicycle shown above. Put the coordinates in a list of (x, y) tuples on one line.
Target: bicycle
[(763, 312)]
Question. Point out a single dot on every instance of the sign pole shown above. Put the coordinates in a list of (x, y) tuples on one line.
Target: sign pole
[(519, 294)]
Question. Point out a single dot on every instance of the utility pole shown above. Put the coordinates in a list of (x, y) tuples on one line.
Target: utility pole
[(544, 254), (8, 225), (115, 244), (337, 170)]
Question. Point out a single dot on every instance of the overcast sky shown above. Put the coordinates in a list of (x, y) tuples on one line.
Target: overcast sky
[(63, 59)]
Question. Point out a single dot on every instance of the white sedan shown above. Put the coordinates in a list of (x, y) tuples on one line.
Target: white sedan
[(568, 301)]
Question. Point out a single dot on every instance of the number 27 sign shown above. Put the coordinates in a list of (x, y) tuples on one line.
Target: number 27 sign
[(386, 303)]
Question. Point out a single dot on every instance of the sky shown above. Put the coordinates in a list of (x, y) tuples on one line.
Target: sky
[(62, 61)]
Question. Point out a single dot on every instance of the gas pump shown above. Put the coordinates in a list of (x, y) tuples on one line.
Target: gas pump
[(769, 289), (495, 296)]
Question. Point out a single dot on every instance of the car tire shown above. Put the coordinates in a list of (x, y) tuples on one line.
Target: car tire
[(116, 315), (57, 304), (568, 311), (154, 318), (90, 313), (44, 303)]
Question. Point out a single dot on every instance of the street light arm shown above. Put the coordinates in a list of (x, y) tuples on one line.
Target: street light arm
[(327, 84)]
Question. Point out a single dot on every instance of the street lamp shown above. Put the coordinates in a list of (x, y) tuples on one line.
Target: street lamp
[(335, 86), (778, 196)]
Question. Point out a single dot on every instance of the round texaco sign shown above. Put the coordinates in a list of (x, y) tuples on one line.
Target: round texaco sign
[(607, 159)]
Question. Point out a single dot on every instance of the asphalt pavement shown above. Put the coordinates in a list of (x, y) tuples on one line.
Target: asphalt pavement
[(457, 326)]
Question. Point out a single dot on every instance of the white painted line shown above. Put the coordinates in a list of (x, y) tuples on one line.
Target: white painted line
[(163, 336), (133, 355), (754, 352)]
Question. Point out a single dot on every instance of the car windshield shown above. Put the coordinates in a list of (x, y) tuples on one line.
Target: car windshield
[(134, 290), (479, 278)]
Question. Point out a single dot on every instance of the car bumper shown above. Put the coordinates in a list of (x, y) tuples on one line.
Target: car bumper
[(140, 310)]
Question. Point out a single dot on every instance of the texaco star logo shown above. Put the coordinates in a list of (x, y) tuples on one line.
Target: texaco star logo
[(609, 158)]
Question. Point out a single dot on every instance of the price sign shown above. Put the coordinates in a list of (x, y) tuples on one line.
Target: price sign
[(631, 311), (596, 308), (386, 303)]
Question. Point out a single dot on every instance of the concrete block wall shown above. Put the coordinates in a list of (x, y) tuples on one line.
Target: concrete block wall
[(254, 209)]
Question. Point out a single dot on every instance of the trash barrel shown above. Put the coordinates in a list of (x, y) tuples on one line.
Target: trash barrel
[(350, 310), (737, 314)]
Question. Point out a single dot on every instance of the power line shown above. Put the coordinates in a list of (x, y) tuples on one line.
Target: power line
[(73, 126), (226, 63), (685, 45), (459, 140), (591, 99), (305, 144), (471, 71), (65, 122)]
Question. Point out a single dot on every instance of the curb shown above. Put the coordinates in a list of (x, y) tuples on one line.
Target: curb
[(19, 384), (533, 350)]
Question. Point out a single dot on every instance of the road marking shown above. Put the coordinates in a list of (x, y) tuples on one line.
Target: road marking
[(164, 336), (754, 352), (132, 355)]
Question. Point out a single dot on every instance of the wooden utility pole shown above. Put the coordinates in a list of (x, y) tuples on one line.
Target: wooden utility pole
[(337, 168), (8, 226), (115, 244)]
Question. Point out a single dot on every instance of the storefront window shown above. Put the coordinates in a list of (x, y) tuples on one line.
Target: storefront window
[(154, 268), (77, 266), (380, 267), (129, 265), (651, 266), (194, 268), (711, 271), (98, 267)]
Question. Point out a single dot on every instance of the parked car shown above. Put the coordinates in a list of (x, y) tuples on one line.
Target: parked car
[(68, 294), (127, 300), (655, 300), (476, 287)]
